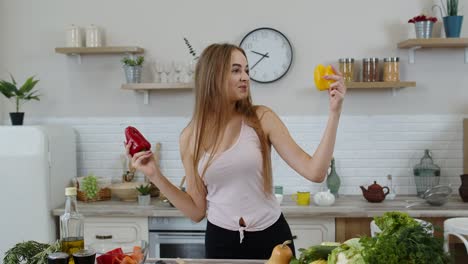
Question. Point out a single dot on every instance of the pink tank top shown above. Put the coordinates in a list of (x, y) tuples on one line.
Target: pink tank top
[(235, 186)]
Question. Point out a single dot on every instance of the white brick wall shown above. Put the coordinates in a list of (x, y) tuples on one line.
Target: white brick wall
[(367, 149)]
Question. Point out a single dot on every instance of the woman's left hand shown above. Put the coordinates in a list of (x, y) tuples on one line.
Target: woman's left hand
[(336, 91)]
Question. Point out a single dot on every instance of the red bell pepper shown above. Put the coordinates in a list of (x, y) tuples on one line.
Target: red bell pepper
[(137, 141), (110, 256)]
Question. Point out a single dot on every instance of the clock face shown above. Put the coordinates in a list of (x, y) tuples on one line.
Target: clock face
[(269, 54)]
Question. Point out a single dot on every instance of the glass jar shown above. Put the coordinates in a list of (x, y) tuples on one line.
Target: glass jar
[(370, 70), (391, 69), (347, 69), (426, 174)]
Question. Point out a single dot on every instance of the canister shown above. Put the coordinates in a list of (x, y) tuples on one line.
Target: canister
[(370, 69), (73, 37), (391, 69), (93, 36), (347, 68)]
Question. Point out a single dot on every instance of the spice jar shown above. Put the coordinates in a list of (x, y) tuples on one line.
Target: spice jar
[(347, 69), (391, 69), (370, 70)]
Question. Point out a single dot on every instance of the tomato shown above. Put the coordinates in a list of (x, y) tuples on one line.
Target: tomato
[(320, 71)]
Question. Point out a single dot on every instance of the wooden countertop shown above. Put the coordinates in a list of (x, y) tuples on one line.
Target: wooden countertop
[(345, 206)]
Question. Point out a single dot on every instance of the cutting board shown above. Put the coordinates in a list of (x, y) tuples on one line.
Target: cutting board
[(465, 146)]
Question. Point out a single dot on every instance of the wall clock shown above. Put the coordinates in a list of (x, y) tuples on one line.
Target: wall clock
[(269, 54)]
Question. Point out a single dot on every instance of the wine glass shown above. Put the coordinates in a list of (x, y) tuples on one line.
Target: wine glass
[(168, 70), (178, 67)]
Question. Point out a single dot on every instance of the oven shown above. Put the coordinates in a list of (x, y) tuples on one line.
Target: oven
[(176, 237)]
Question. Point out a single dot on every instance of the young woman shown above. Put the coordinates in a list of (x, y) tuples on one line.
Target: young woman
[(225, 150)]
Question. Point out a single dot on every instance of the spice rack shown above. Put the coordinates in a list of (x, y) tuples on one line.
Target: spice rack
[(147, 87), (413, 44)]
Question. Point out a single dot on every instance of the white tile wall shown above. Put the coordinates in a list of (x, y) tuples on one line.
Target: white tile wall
[(367, 148)]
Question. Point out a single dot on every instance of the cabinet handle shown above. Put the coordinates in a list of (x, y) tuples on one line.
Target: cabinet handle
[(294, 237), (103, 236)]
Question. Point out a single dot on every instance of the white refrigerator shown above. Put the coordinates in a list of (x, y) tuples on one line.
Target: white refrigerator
[(36, 164)]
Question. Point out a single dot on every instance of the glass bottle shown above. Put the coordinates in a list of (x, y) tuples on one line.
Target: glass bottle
[(71, 225), (426, 173), (333, 180)]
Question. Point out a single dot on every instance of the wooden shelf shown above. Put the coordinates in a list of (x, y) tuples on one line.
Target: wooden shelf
[(156, 86), (99, 50), (379, 85), (434, 43), (414, 44), (147, 87)]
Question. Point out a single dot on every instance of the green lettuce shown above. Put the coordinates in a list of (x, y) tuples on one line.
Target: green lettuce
[(348, 253)]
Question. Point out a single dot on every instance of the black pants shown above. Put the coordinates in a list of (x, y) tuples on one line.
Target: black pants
[(221, 243)]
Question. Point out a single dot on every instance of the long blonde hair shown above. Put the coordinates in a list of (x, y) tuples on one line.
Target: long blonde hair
[(211, 113)]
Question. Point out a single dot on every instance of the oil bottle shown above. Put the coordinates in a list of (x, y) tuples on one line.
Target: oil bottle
[(71, 225)]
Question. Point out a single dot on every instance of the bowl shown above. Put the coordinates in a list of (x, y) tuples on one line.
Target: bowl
[(125, 191), (437, 195), (116, 252)]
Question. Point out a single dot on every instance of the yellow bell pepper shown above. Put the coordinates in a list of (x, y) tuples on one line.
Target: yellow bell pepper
[(320, 71)]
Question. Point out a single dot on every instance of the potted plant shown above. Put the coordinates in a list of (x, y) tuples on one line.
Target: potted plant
[(452, 22), (133, 68), (144, 194), (20, 95), (423, 25)]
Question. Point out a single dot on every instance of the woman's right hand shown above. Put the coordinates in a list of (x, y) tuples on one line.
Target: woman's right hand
[(143, 161)]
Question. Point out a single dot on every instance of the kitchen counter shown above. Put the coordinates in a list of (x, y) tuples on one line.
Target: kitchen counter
[(208, 261), (345, 206)]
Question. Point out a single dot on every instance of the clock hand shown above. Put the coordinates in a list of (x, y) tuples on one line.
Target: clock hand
[(263, 56)]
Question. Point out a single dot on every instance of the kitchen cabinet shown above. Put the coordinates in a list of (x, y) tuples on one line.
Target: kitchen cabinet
[(414, 44), (311, 231), (122, 229)]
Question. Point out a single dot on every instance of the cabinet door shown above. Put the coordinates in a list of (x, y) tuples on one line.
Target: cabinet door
[(122, 229), (309, 232)]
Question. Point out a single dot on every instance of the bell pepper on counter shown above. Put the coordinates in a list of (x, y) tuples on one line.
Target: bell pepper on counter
[(319, 72), (117, 256), (137, 141)]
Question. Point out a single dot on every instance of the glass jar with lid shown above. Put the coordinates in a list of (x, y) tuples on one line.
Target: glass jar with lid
[(370, 70), (426, 173), (347, 69), (391, 69)]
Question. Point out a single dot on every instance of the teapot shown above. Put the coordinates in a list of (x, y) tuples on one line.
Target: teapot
[(375, 193), (324, 198)]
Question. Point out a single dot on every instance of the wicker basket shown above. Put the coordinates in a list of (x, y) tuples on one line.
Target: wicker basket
[(104, 194)]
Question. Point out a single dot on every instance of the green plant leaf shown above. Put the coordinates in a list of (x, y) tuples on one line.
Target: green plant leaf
[(28, 85), (8, 89), (12, 79)]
